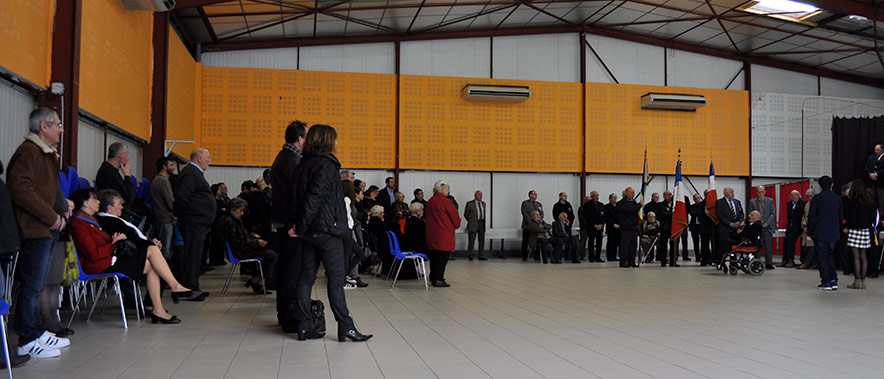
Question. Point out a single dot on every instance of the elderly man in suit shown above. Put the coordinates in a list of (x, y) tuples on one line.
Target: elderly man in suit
[(528, 207), (768, 210), (475, 212), (874, 171), (194, 207), (795, 212), (823, 224), (730, 217)]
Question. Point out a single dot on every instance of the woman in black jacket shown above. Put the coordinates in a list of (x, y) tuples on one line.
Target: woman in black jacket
[(859, 215), (321, 221)]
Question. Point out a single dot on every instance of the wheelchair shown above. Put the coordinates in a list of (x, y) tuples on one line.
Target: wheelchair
[(742, 257)]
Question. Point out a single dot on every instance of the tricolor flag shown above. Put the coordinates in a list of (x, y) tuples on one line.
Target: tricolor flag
[(680, 211), (641, 195), (711, 195)]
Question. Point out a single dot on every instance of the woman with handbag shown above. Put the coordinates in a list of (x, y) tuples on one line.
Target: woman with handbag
[(100, 252)]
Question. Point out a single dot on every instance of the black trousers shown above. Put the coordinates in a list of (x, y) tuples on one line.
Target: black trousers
[(525, 238), (613, 244), (438, 262), (722, 246), (329, 250), (471, 239), (564, 248), (698, 255), (595, 244), (628, 244), (789, 248), (353, 253), (704, 248), (684, 244), (191, 258), (663, 246), (288, 270)]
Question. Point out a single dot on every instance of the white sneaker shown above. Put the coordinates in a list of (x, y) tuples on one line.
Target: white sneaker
[(37, 350), (349, 286), (49, 340), (350, 280)]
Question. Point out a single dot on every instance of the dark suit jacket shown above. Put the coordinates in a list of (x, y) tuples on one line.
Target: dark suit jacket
[(109, 177), (610, 217), (664, 215), (194, 202), (594, 214), (384, 200), (282, 172), (700, 221), (824, 220), (795, 215), (558, 207), (560, 230), (627, 214), (873, 164), (471, 214), (725, 216)]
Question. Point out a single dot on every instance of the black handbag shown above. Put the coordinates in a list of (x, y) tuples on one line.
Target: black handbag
[(317, 310), (124, 249)]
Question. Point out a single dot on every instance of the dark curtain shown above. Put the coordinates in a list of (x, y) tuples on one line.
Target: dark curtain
[(853, 141)]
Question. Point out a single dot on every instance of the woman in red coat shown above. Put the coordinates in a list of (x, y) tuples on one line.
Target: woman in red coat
[(442, 221)]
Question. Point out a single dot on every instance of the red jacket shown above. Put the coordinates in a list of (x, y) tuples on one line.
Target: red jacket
[(94, 246), (442, 220)]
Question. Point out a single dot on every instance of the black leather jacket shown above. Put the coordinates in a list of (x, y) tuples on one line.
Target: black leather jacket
[(281, 178), (317, 197)]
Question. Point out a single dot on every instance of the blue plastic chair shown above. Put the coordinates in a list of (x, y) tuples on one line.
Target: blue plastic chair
[(73, 181), (64, 183), (145, 190), (83, 183), (9, 262), (235, 263), (86, 279), (4, 310), (400, 256)]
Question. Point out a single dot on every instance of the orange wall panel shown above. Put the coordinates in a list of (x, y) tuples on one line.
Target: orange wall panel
[(26, 33), (185, 80), (618, 130), (439, 130), (245, 112), (116, 65)]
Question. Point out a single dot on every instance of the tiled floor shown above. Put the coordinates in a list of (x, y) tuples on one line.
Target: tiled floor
[(510, 319)]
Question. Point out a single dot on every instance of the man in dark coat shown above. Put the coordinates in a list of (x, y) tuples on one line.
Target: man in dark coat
[(612, 232), (594, 216), (874, 171), (730, 217), (823, 226), (627, 222), (795, 212), (109, 175), (195, 209), (288, 264)]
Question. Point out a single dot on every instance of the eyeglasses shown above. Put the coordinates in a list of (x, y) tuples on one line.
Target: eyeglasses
[(52, 123)]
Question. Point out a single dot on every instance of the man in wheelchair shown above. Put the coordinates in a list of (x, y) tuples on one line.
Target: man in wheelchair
[(745, 242)]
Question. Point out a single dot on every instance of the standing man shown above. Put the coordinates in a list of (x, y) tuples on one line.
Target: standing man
[(563, 206), (387, 195), (730, 216), (627, 223), (161, 203), (667, 248), (108, 176), (704, 231), (610, 229), (35, 191), (795, 213), (474, 213), (419, 197), (288, 264), (529, 206), (768, 210), (594, 213), (194, 207), (875, 172), (823, 222), (584, 229)]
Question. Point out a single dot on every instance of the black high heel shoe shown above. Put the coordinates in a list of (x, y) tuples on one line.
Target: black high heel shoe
[(309, 334), (353, 335), (257, 288), (157, 319), (177, 296)]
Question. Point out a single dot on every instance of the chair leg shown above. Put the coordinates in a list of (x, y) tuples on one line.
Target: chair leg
[(261, 272), (5, 346), (95, 300), (426, 279), (76, 307), (229, 278), (120, 298), (401, 262), (139, 300)]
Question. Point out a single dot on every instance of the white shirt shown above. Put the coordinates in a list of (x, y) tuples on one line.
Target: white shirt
[(350, 223)]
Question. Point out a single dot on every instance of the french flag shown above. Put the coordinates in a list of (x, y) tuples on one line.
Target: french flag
[(711, 195), (680, 211)]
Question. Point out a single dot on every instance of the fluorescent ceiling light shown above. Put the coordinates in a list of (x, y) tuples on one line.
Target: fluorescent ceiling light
[(782, 9)]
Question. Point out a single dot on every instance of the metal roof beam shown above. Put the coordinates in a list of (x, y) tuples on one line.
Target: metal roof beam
[(850, 7), (183, 4)]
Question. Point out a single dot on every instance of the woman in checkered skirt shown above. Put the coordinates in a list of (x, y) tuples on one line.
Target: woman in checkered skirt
[(859, 215)]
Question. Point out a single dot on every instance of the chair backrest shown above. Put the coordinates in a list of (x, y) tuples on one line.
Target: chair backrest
[(73, 180), (145, 190), (370, 240), (230, 256), (64, 183), (83, 183), (393, 250)]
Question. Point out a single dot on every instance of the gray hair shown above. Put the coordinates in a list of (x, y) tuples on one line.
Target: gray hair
[(116, 149), (439, 185), (38, 116), (376, 211), (197, 153), (414, 207), (236, 203), (809, 192), (345, 174)]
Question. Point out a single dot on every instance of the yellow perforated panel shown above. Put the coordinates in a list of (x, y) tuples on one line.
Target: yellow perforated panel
[(618, 129), (116, 65), (26, 33), (439, 130), (245, 112)]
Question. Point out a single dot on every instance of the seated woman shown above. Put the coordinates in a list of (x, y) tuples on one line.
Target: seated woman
[(96, 246), (650, 229), (245, 246), (564, 239), (415, 238)]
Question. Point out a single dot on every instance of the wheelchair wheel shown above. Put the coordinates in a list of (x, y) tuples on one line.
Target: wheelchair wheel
[(756, 267), (733, 270)]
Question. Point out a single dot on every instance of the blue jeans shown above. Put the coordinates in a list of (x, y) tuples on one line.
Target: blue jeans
[(165, 234), (33, 266)]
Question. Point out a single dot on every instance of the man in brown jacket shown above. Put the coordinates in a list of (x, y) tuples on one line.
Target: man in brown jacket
[(34, 187)]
